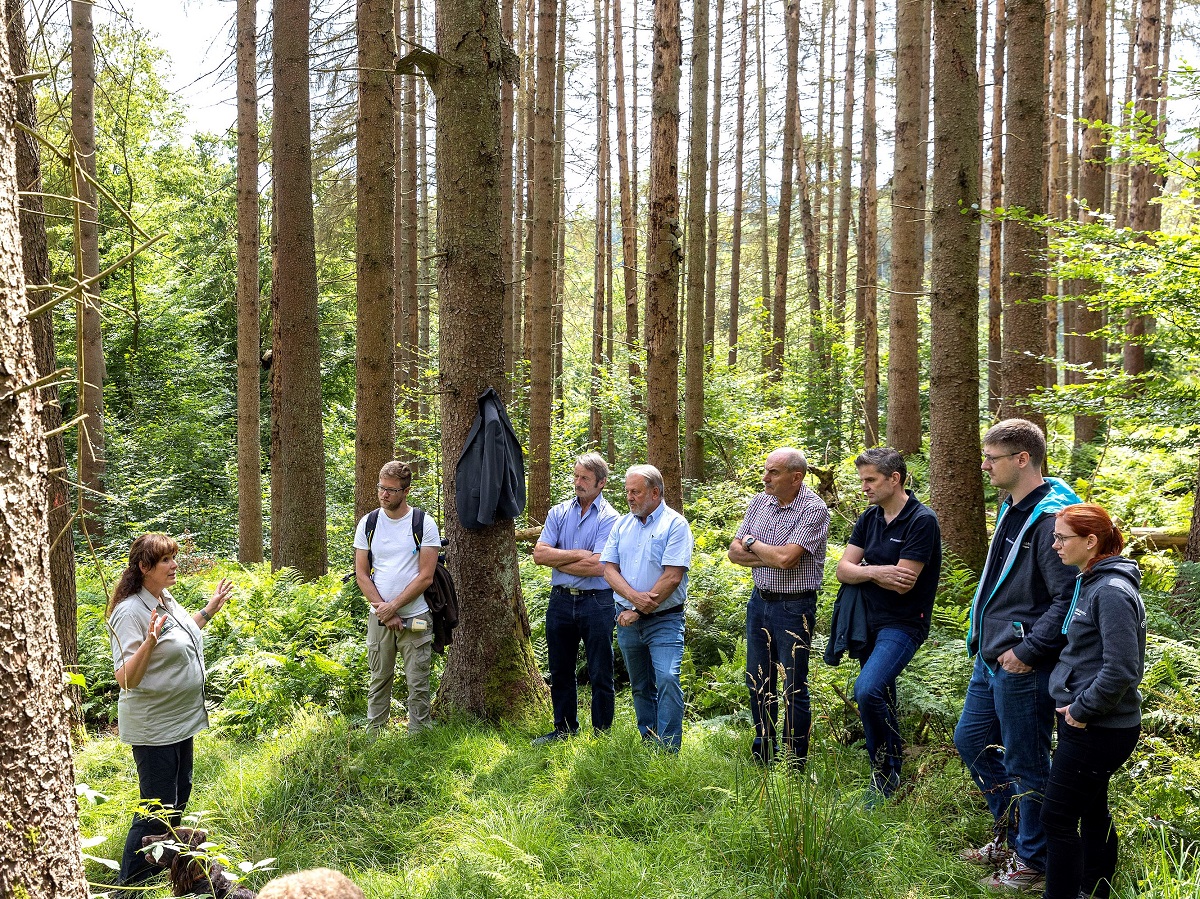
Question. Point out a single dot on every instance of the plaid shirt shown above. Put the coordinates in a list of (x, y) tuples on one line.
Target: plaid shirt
[(805, 522)]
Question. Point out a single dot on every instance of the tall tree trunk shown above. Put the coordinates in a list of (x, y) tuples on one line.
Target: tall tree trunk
[(739, 156), (714, 165), (1191, 552), (697, 246), (374, 353), (908, 217), (783, 239), (409, 266), (541, 272), (1024, 246), (995, 229), (90, 343), (812, 260), (826, 150), (663, 256), (36, 266), (764, 234), (249, 442), (297, 434), (842, 261), (628, 209), (1121, 201), (956, 490), (507, 196), (558, 347), (424, 237), (1088, 319), (1057, 186), (866, 249), (602, 247), (490, 667), (1145, 215), (519, 272), (39, 839)]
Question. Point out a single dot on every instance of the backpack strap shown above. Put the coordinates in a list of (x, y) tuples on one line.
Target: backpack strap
[(372, 523), (418, 523)]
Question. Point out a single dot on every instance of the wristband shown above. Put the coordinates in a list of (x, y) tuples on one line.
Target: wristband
[(204, 614)]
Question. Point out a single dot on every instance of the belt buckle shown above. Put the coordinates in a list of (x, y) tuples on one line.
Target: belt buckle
[(575, 591)]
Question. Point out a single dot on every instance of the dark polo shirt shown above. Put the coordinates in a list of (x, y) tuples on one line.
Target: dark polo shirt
[(915, 535)]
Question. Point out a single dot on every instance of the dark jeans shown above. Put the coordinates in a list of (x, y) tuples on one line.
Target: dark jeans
[(1081, 841), (779, 633), (591, 618), (1003, 737), (165, 775), (875, 693)]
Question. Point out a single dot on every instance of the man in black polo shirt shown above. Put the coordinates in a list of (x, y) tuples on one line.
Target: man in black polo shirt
[(895, 556)]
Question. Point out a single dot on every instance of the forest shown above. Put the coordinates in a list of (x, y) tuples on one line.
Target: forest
[(683, 234)]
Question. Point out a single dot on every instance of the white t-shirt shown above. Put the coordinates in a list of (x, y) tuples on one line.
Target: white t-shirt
[(394, 554)]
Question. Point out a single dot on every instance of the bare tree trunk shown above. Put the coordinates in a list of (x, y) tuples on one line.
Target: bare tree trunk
[(90, 344), (628, 208), (826, 150), (36, 266), (764, 234), (1121, 212), (908, 217), (662, 255), (812, 250), (1088, 319), (714, 165), (519, 271), (297, 434), (541, 273), (374, 362), (424, 238), (1024, 246), (842, 260), (1057, 185), (249, 451), (995, 229), (867, 249), (783, 239), (697, 245), (409, 265), (491, 671), (39, 841), (956, 490), (557, 346), (739, 156), (508, 228), (601, 261), (1191, 552)]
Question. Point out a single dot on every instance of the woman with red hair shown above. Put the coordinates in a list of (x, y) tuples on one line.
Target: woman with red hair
[(1094, 687)]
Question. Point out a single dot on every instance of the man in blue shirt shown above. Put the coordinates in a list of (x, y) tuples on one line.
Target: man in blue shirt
[(894, 555), (646, 562), (581, 602)]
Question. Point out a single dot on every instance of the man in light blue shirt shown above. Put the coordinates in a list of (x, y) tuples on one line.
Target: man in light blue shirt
[(581, 602), (646, 562)]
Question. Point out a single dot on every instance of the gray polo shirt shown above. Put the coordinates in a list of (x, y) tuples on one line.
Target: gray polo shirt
[(168, 705)]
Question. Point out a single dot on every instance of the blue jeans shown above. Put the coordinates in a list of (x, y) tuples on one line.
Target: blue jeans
[(1003, 738), (875, 693), (589, 617), (653, 650), (779, 633)]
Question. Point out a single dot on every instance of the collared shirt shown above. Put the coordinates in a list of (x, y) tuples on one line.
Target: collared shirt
[(567, 528), (805, 522), (914, 534), (643, 549)]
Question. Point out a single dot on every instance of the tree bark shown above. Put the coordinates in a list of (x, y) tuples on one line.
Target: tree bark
[(867, 248), (602, 247), (628, 186), (1057, 186), (908, 218), (36, 266), (995, 229), (374, 362), (663, 255), (841, 270), (956, 488), (714, 166), (764, 233), (491, 671), (90, 343), (39, 825), (409, 265), (697, 246), (541, 273), (557, 346), (739, 156), (297, 434), (1088, 341), (507, 227), (249, 350), (783, 240), (1022, 370)]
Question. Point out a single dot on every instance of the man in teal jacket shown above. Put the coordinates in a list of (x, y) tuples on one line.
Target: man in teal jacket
[(1015, 635)]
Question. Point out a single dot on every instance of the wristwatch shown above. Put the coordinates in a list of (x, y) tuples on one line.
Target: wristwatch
[(748, 542)]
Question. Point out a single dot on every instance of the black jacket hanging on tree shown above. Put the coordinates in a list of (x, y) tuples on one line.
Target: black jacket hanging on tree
[(490, 475)]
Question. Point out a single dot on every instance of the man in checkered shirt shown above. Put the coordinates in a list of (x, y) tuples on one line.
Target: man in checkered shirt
[(782, 541)]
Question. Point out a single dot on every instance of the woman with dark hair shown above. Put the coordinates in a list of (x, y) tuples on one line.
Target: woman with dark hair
[(1094, 687), (158, 658)]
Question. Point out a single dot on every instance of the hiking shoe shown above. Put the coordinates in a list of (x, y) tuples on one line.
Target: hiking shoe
[(1016, 877), (992, 854), (553, 737)]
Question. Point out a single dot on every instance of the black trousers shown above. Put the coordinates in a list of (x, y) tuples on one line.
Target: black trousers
[(1081, 842), (165, 776)]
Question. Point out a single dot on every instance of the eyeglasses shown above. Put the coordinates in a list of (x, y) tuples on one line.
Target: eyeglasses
[(1063, 538), (389, 490), (989, 459)]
